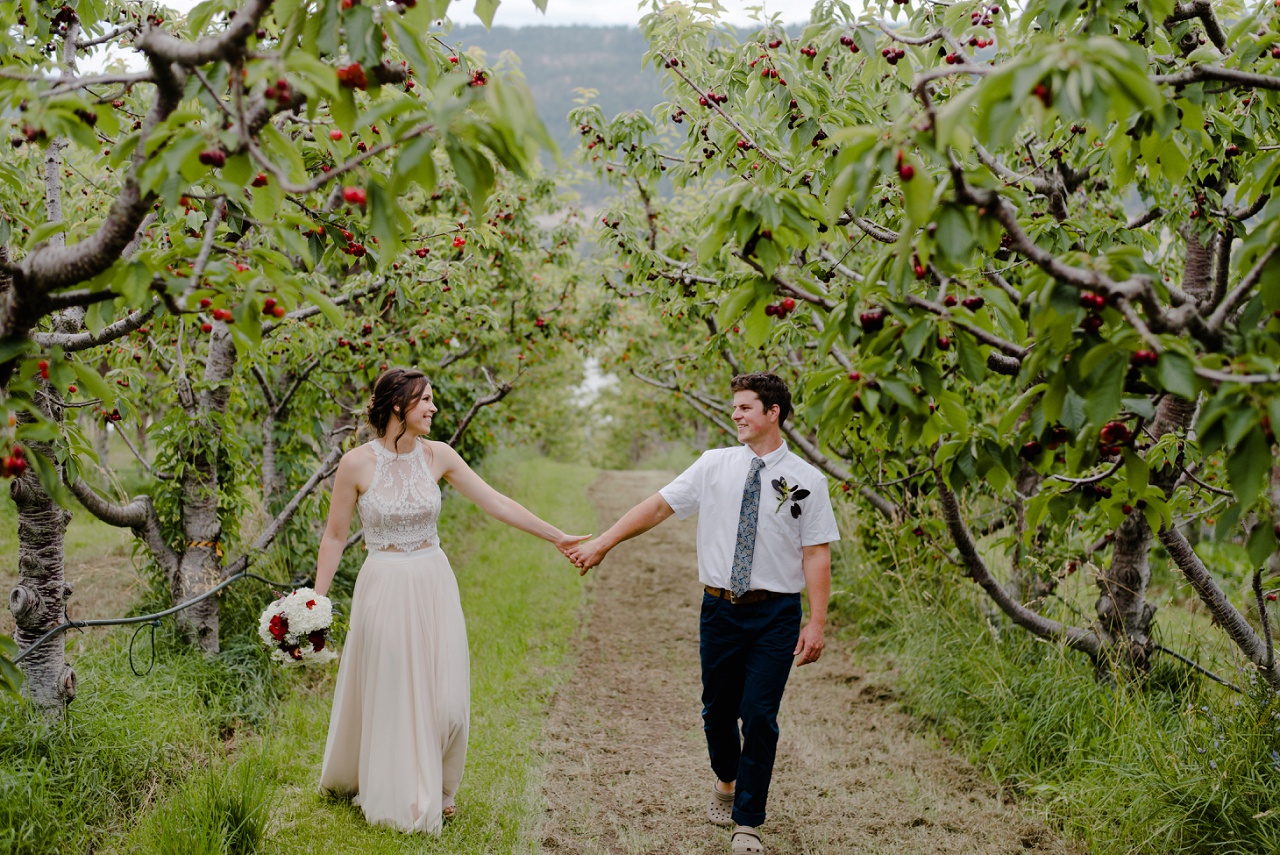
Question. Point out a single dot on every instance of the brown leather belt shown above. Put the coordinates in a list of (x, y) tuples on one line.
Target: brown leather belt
[(757, 596)]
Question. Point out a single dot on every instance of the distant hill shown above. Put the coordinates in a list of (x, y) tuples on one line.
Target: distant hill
[(558, 60)]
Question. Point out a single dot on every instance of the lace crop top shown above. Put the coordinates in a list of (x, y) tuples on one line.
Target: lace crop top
[(402, 504)]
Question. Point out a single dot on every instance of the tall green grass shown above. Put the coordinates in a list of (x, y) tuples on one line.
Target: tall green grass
[(68, 786), (1174, 764)]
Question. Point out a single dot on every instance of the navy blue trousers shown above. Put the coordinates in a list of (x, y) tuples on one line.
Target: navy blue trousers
[(747, 652)]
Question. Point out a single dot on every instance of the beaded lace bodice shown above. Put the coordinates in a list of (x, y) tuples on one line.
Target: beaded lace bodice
[(402, 504)]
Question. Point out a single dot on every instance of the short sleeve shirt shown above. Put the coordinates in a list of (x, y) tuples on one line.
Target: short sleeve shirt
[(712, 487)]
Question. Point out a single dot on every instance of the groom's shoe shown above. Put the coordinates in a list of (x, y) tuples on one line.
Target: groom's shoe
[(720, 808), (746, 841)]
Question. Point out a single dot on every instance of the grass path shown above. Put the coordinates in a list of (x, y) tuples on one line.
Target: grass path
[(627, 768)]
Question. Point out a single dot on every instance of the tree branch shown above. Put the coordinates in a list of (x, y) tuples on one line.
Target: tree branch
[(1035, 623), (1224, 613), (73, 342), (327, 467), (499, 392)]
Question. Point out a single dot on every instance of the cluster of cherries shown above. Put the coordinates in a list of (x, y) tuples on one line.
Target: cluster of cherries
[(352, 76), (14, 464), (214, 157), (780, 309), (973, 303), (893, 54), (848, 42), (712, 97), (1095, 303), (279, 92)]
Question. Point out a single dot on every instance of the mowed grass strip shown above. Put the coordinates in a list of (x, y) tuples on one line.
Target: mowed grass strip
[(522, 604)]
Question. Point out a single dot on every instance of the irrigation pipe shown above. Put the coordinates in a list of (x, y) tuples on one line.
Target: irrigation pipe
[(153, 619)]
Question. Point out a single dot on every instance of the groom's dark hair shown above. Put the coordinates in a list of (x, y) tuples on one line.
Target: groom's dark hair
[(770, 387)]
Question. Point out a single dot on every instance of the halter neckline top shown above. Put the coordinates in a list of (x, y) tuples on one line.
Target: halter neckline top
[(402, 505)]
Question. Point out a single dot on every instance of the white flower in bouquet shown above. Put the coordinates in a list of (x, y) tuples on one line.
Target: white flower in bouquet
[(295, 628)]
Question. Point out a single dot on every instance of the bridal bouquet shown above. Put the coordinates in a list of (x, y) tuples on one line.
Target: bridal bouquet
[(295, 628)]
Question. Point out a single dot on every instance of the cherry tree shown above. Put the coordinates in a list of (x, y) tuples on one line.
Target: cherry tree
[(1022, 265), (243, 175)]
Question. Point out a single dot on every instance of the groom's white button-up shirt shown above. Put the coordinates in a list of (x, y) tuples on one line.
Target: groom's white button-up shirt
[(712, 488)]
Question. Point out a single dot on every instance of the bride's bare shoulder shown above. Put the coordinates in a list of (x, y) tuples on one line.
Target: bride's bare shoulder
[(359, 461)]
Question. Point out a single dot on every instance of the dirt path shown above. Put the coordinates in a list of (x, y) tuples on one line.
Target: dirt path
[(627, 769)]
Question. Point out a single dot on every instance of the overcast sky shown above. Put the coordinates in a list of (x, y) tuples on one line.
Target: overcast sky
[(522, 13)]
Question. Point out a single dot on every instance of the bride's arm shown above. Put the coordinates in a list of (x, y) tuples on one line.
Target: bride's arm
[(500, 507), (342, 506)]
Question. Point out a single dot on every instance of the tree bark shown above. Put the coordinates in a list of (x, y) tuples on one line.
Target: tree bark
[(1027, 585), (1124, 615), (38, 601), (200, 567)]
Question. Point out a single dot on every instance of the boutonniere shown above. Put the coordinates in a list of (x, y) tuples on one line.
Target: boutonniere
[(786, 493)]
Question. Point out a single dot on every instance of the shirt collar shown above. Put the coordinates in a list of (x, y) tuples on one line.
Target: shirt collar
[(773, 458)]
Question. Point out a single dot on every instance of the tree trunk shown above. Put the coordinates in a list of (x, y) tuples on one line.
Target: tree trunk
[(38, 602), (1027, 585), (1124, 615), (271, 482), (201, 566)]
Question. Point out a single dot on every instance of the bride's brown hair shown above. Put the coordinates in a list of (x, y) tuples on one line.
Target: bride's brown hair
[(396, 389)]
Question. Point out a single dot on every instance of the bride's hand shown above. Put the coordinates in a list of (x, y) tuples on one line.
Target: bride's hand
[(566, 542)]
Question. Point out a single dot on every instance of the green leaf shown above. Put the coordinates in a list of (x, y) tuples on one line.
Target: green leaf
[(1262, 543), (1249, 466), (1011, 414), (918, 193), (1177, 374), (485, 9), (473, 169), (1136, 471), (970, 356), (955, 236), (1105, 389), (384, 216), (92, 383)]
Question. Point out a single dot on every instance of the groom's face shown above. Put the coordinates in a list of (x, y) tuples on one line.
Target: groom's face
[(749, 414)]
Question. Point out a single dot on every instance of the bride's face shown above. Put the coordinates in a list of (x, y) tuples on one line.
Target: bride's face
[(418, 417)]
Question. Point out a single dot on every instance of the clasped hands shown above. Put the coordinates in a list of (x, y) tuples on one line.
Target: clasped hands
[(583, 555)]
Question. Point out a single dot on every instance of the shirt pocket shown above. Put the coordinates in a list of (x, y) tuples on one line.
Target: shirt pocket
[(778, 522)]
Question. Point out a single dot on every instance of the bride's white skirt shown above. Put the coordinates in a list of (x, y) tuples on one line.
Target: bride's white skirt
[(398, 731)]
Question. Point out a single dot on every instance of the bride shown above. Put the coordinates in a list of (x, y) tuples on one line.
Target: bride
[(398, 730)]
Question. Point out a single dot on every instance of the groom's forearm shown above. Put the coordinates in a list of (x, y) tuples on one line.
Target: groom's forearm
[(638, 520)]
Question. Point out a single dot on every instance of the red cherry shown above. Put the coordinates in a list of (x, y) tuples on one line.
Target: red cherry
[(335, 134), (354, 195), (906, 172)]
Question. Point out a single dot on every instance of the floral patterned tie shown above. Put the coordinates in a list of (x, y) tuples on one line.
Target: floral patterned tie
[(740, 577)]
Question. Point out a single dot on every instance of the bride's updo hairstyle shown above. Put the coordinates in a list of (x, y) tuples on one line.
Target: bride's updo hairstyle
[(395, 389)]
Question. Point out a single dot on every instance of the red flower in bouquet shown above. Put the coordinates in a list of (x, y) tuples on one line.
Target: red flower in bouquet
[(317, 639), (279, 627)]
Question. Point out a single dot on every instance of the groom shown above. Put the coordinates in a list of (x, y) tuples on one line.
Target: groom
[(764, 528)]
